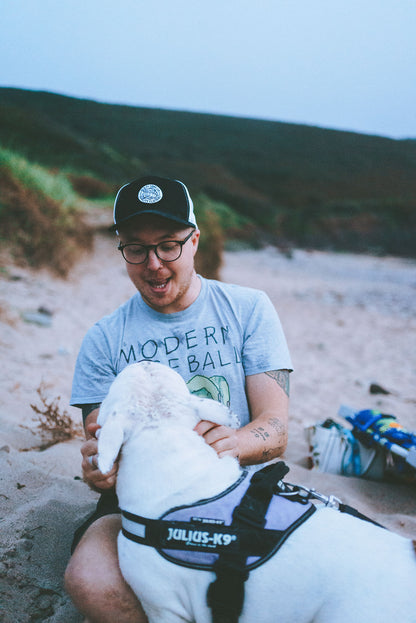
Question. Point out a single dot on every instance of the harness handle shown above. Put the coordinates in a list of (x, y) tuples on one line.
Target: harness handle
[(225, 595)]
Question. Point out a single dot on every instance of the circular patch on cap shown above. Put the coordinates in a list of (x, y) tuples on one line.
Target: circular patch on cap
[(150, 194)]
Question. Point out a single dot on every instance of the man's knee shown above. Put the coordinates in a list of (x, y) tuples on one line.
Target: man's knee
[(80, 581), (95, 556), (96, 597), (93, 578)]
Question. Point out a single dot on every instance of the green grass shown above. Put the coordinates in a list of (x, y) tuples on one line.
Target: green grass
[(55, 185)]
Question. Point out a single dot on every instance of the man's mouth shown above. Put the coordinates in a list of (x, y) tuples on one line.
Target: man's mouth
[(159, 285)]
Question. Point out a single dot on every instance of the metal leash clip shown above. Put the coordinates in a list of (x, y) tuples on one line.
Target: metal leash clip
[(328, 500), (287, 489)]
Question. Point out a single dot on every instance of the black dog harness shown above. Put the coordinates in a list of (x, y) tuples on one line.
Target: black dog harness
[(230, 534)]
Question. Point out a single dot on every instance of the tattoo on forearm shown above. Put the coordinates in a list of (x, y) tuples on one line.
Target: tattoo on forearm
[(277, 425), (281, 377), (281, 431), (275, 439), (260, 432)]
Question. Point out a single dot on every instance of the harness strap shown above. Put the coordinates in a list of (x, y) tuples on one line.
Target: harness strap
[(254, 504), (197, 536), (225, 595)]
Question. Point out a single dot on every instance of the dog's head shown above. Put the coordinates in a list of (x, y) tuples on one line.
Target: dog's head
[(146, 395)]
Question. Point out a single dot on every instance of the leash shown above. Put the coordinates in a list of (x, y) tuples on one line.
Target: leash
[(299, 492)]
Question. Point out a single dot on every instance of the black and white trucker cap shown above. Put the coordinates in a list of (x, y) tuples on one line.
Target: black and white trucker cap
[(154, 195)]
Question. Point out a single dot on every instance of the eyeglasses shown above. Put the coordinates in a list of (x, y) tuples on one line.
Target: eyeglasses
[(167, 251)]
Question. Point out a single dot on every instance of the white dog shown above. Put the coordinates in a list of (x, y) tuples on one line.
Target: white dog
[(334, 568)]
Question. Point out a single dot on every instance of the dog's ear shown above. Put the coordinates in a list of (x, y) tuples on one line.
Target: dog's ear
[(110, 440), (213, 411)]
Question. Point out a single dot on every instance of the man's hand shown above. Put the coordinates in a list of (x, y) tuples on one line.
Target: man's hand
[(265, 437), (223, 439), (91, 474)]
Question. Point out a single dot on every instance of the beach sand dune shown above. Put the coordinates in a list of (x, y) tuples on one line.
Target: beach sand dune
[(349, 320)]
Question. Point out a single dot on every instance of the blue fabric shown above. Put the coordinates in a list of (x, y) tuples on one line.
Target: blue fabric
[(381, 426)]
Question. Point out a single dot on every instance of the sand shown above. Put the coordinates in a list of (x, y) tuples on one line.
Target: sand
[(349, 321)]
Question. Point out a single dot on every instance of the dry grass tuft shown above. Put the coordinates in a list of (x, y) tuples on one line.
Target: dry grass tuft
[(53, 425)]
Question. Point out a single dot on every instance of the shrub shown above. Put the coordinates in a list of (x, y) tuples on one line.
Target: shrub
[(208, 260), (89, 187), (221, 226), (39, 217), (228, 219)]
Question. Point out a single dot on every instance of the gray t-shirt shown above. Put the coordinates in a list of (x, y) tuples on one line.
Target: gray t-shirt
[(229, 332)]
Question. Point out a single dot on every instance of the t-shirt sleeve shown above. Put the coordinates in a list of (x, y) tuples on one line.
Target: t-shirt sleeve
[(94, 369), (265, 347)]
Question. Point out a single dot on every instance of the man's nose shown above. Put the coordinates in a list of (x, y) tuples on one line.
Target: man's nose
[(153, 262)]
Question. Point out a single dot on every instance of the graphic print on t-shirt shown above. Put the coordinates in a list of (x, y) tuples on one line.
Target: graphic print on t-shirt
[(215, 387)]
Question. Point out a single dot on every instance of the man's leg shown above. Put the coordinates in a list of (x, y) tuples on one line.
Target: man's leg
[(93, 578)]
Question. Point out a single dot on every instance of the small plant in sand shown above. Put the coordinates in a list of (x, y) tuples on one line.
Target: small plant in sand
[(54, 426)]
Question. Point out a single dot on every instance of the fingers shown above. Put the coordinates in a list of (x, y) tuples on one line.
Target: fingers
[(92, 429), (91, 474), (93, 460), (226, 446), (222, 439), (204, 426), (213, 432), (231, 452)]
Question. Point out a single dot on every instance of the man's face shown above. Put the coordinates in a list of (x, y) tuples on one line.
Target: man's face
[(167, 287)]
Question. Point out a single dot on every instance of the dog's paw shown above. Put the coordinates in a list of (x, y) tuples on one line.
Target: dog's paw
[(213, 411)]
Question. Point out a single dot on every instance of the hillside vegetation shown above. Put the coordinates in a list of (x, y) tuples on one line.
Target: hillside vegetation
[(259, 181), (42, 219)]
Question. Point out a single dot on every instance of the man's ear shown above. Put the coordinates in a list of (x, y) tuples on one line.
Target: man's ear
[(110, 440), (195, 240)]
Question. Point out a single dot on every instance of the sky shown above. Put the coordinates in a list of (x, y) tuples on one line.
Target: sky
[(344, 64)]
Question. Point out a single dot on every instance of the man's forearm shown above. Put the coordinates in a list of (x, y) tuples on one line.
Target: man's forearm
[(265, 436), (263, 439)]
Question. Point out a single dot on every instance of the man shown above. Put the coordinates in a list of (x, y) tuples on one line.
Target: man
[(226, 341)]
